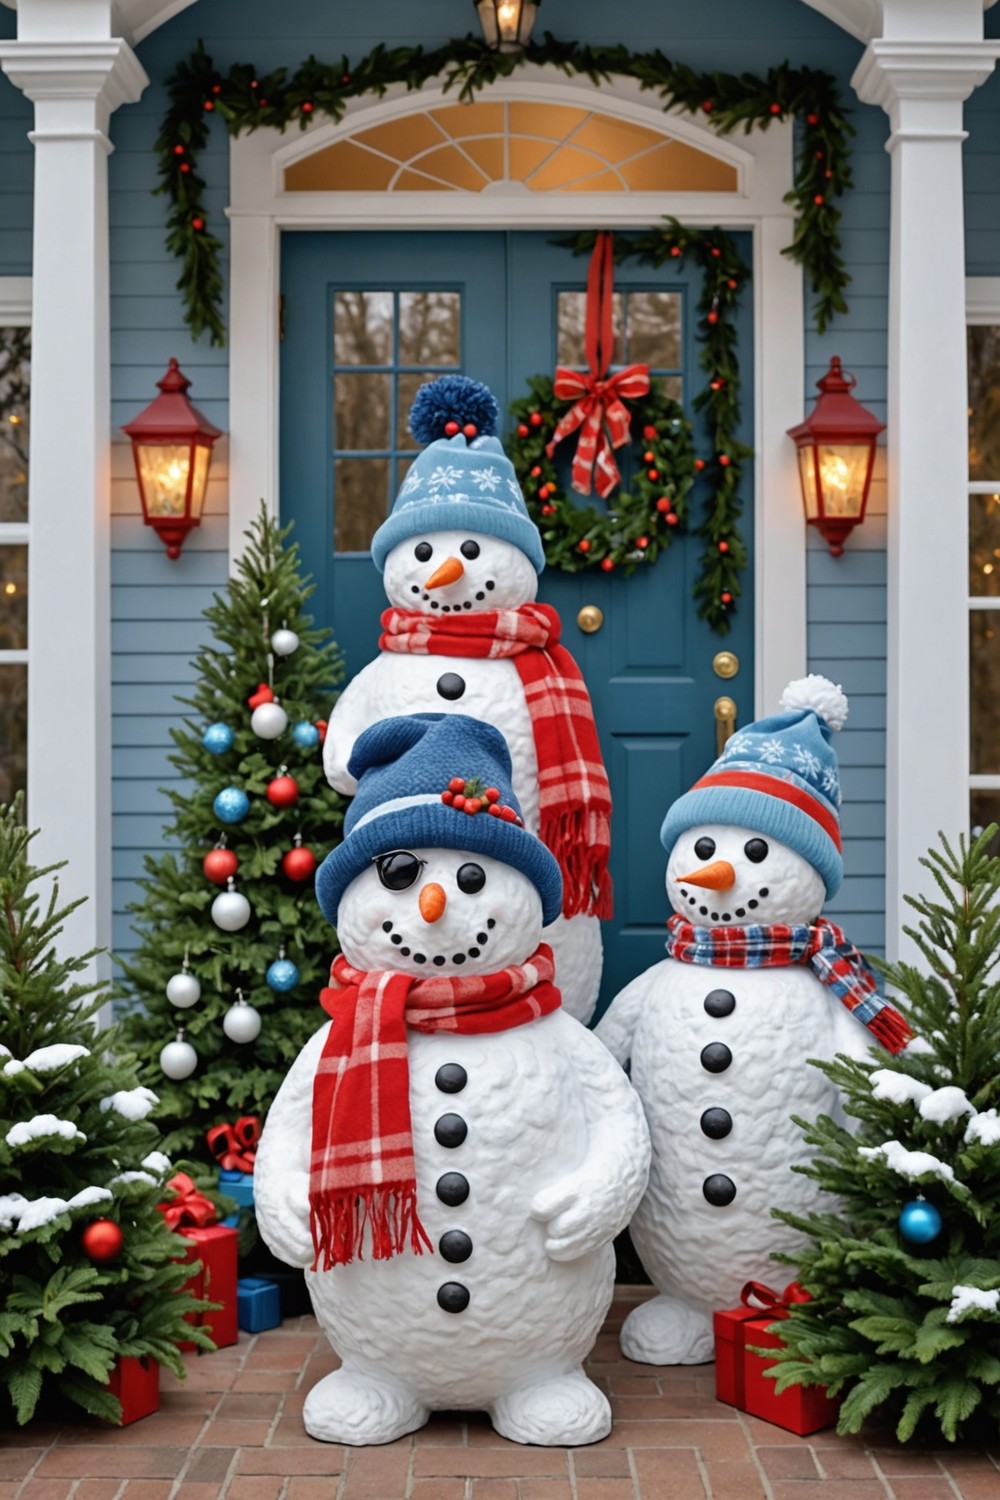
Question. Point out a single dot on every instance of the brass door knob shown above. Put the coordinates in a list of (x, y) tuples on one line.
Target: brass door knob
[(590, 619), (725, 722), (725, 664)]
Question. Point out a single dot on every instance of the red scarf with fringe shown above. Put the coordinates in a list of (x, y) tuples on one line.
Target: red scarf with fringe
[(574, 799), (362, 1168)]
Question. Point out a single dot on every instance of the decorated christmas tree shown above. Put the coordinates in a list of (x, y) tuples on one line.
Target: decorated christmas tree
[(234, 950), (87, 1267), (904, 1320)]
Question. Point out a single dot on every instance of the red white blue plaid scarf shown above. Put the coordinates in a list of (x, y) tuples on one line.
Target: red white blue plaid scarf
[(823, 946)]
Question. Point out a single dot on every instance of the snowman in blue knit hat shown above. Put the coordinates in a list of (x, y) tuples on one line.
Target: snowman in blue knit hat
[(719, 1033), (460, 559)]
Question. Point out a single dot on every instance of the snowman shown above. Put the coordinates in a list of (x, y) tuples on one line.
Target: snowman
[(719, 1033), (460, 560), (452, 1155)]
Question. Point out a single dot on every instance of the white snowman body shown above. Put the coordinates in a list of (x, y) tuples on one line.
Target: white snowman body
[(531, 1152), (497, 576)]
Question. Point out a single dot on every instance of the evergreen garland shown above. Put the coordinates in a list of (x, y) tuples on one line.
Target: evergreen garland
[(246, 99)]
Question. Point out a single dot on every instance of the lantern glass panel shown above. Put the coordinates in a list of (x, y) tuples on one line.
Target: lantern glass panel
[(843, 469), (164, 469), (807, 473), (199, 484)]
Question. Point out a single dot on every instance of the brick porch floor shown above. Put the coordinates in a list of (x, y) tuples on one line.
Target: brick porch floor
[(233, 1429)]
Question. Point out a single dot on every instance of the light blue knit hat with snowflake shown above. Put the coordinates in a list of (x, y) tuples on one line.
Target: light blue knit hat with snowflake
[(463, 480), (778, 777)]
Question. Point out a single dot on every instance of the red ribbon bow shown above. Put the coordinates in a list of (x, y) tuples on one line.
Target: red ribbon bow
[(188, 1207), (235, 1146), (598, 410), (770, 1301)]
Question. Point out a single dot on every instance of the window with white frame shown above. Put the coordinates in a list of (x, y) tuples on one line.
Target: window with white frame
[(15, 413)]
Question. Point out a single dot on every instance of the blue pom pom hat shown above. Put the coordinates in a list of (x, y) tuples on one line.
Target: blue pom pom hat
[(778, 777), (463, 480), (403, 767)]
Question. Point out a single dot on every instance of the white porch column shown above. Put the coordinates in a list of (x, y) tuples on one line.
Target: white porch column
[(922, 85), (74, 85)]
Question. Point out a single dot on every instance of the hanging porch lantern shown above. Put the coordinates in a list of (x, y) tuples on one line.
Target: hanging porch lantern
[(172, 447), (836, 444), (507, 23)]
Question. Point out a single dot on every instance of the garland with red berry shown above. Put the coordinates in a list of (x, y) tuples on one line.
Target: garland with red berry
[(641, 522), (245, 99)]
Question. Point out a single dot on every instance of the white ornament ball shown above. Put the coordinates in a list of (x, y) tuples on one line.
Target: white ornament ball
[(178, 1059), (183, 990), (269, 720), (284, 642), (230, 911), (241, 1023)]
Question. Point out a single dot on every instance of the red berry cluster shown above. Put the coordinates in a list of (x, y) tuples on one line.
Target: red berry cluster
[(471, 797)]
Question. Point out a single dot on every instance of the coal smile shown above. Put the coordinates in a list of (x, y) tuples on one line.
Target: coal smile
[(438, 959), (725, 916), (447, 609)]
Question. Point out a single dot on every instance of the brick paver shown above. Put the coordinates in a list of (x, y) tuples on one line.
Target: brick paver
[(233, 1431)]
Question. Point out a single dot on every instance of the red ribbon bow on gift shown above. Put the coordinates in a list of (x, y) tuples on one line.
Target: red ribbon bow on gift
[(770, 1301), (598, 410), (235, 1146), (188, 1207)]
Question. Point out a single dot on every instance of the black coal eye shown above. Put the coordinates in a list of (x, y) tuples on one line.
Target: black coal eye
[(470, 549), (399, 870), (705, 848), (471, 878), (755, 850), (423, 552)]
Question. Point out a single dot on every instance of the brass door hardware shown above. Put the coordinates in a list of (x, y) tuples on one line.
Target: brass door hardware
[(590, 618), (725, 722)]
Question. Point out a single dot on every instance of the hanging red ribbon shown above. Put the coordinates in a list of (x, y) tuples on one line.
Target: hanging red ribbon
[(597, 396), (235, 1146), (188, 1208)]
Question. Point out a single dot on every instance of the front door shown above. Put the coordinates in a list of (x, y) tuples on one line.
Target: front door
[(367, 318)]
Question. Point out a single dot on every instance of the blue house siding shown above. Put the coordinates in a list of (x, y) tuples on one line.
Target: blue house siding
[(16, 169)]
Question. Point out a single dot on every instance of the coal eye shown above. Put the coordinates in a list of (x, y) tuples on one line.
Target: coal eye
[(755, 850), (471, 878), (423, 551), (470, 549), (399, 870), (705, 848)]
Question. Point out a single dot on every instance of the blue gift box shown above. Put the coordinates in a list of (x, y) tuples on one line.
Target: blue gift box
[(238, 1185), (258, 1304)]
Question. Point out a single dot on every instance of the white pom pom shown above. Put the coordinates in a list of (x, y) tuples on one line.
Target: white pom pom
[(825, 698)]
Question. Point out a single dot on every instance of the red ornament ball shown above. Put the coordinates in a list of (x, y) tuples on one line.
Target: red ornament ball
[(712, 317), (219, 865), (652, 475), (675, 251), (724, 460), (102, 1241), (726, 598), (536, 471), (649, 433), (607, 564), (776, 109), (178, 150), (470, 430), (536, 419), (283, 791), (299, 863), (819, 200), (708, 106), (209, 104), (320, 724), (812, 119), (198, 224), (216, 88), (583, 546), (185, 166), (548, 510), (642, 542), (664, 504), (307, 108), (672, 519), (523, 429), (732, 285), (723, 546), (716, 251), (492, 794), (451, 429), (457, 784), (699, 464)]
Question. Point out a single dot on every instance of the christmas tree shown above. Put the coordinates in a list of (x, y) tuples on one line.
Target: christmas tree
[(234, 950), (905, 1272), (87, 1264)]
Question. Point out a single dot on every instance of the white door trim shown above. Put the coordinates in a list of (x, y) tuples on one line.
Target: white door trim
[(260, 209)]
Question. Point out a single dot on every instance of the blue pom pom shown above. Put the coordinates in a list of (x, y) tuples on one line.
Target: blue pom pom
[(453, 398)]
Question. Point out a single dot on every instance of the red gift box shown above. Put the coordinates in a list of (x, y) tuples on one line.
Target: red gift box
[(740, 1378), (136, 1383), (216, 1247)]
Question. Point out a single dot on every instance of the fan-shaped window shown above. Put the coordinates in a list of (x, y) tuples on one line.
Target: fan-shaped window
[(471, 148)]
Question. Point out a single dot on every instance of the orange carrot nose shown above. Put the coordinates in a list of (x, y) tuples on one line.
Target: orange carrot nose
[(432, 903), (718, 876), (450, 571)]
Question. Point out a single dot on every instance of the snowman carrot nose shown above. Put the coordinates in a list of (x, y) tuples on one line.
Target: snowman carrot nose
[(718, 876), (432, 903), (450, 571)]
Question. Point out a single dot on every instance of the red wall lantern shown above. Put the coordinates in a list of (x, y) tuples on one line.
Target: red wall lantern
[(836, 444), (172, 447)]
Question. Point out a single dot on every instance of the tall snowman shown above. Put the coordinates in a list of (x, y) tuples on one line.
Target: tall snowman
[(460, 559), (720, 1032), (452, 1155)]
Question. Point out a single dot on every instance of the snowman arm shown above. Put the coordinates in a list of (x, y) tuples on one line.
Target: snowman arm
[(590, 1205), (281, 1168), (351, 714), (617, 1026)]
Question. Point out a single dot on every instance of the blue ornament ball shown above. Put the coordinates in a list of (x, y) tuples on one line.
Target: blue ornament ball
[(217, 739), (305, 735), (282, 975), (919, 1222), (231, 805)]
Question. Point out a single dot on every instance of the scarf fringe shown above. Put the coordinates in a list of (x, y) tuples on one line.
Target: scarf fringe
[(338, 1223), (580, 840), (891, 1029)]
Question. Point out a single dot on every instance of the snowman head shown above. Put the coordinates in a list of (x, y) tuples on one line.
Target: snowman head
[(456, 572), (722, 876)]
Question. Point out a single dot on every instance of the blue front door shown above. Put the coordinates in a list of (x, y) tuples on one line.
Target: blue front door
[(367, 318)]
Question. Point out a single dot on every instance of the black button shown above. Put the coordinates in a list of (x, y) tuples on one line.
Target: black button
[(716, 1123), (720, 1003), (450, 1130), (716, 1057), (450, 686), (451, 1078), (455, 1246), (719, 1189), (453, 1189), (453, 1297)]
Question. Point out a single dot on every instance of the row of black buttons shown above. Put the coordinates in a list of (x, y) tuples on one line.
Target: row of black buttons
[(716, 1123), (454, 1246)]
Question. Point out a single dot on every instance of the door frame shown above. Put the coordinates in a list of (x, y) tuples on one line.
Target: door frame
[(261, 209)]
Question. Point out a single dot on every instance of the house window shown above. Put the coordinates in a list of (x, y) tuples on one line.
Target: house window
[(646, 326), (15, 375)]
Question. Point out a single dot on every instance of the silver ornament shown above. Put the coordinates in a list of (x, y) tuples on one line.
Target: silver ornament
[(284, 642), (230, 910), (178, 1059), (183, 990), (241, 1023), (269, 720)]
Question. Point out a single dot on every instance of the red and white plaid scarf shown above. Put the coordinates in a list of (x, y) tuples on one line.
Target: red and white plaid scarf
[(824, 947), (574, 799), (362, 1169)]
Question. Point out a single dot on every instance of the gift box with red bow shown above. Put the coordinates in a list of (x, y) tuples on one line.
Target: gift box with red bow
[(215, 1247), (740, 1378), (136, 1383)]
